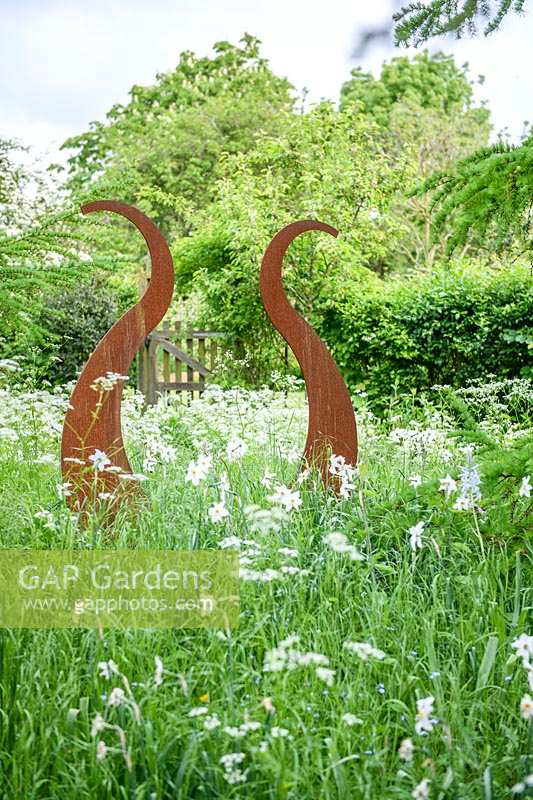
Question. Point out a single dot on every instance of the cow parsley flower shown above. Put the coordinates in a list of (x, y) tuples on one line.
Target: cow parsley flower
[(421, 791), (406, 749), (351, 720), (364, 650), (339, 543), (325, 674), (101, 751), (117, 696)]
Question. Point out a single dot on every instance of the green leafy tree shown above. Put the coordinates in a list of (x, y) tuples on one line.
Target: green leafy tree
[(425, 106), (37, 249), (328, 165), (166, 143)]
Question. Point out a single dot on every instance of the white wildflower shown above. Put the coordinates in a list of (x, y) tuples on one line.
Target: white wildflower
[(116, 698), (235, 449), (158, 674), (525, 487), (415, 536), (99, 460), (351, 719), (406, 750), (326, 675), (424, 721), (421, 791), (448, 485), (526, 707), (364, 650), (101, 751), (198, 711), (218, 512)]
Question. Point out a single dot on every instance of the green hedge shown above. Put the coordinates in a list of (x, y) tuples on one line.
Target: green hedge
[(449, 327)]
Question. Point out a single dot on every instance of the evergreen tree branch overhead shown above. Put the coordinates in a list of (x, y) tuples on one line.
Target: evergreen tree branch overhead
[(417, 22)]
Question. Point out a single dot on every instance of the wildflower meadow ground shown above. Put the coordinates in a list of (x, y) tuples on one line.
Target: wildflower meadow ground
[(385, 642)]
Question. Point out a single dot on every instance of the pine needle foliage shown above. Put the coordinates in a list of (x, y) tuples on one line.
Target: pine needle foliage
[(487, 197), (417, 22)]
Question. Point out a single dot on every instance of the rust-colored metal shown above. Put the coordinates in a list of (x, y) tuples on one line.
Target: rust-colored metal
[(332, 428), (92, 422)]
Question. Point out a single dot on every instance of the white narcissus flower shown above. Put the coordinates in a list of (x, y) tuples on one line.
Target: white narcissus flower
[(286, 498), (236, 449), (524, 648), (107, 668), (196, 472), (116, 698), (526, 707), (415, 481), (99, 460), (424, 721), (448, 485), (525, 487), (218, 512), (415, 536), (462, 504)]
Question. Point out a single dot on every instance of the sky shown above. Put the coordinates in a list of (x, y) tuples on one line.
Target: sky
[(64, 63)]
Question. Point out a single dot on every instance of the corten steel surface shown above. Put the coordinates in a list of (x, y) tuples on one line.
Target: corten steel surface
[(88, 428), (332, 428)]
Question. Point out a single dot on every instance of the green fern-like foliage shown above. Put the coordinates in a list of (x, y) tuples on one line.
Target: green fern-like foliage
[(488, 197), (418, 22)]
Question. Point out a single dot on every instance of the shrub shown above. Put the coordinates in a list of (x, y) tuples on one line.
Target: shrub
[(75, 320), (457, 324)]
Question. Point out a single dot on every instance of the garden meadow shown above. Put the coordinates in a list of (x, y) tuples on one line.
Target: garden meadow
[(384, 647)]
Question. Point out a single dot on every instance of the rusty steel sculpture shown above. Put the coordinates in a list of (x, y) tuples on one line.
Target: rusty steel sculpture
[(93, 459), (332, 427)]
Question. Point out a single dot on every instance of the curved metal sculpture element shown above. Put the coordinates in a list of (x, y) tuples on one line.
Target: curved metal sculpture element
[(92, 422), (332, 428)]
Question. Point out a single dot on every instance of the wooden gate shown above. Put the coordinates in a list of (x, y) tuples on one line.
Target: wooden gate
[(176, 360)]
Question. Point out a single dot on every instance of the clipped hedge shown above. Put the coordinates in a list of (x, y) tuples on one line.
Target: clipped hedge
[(449, 327)]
